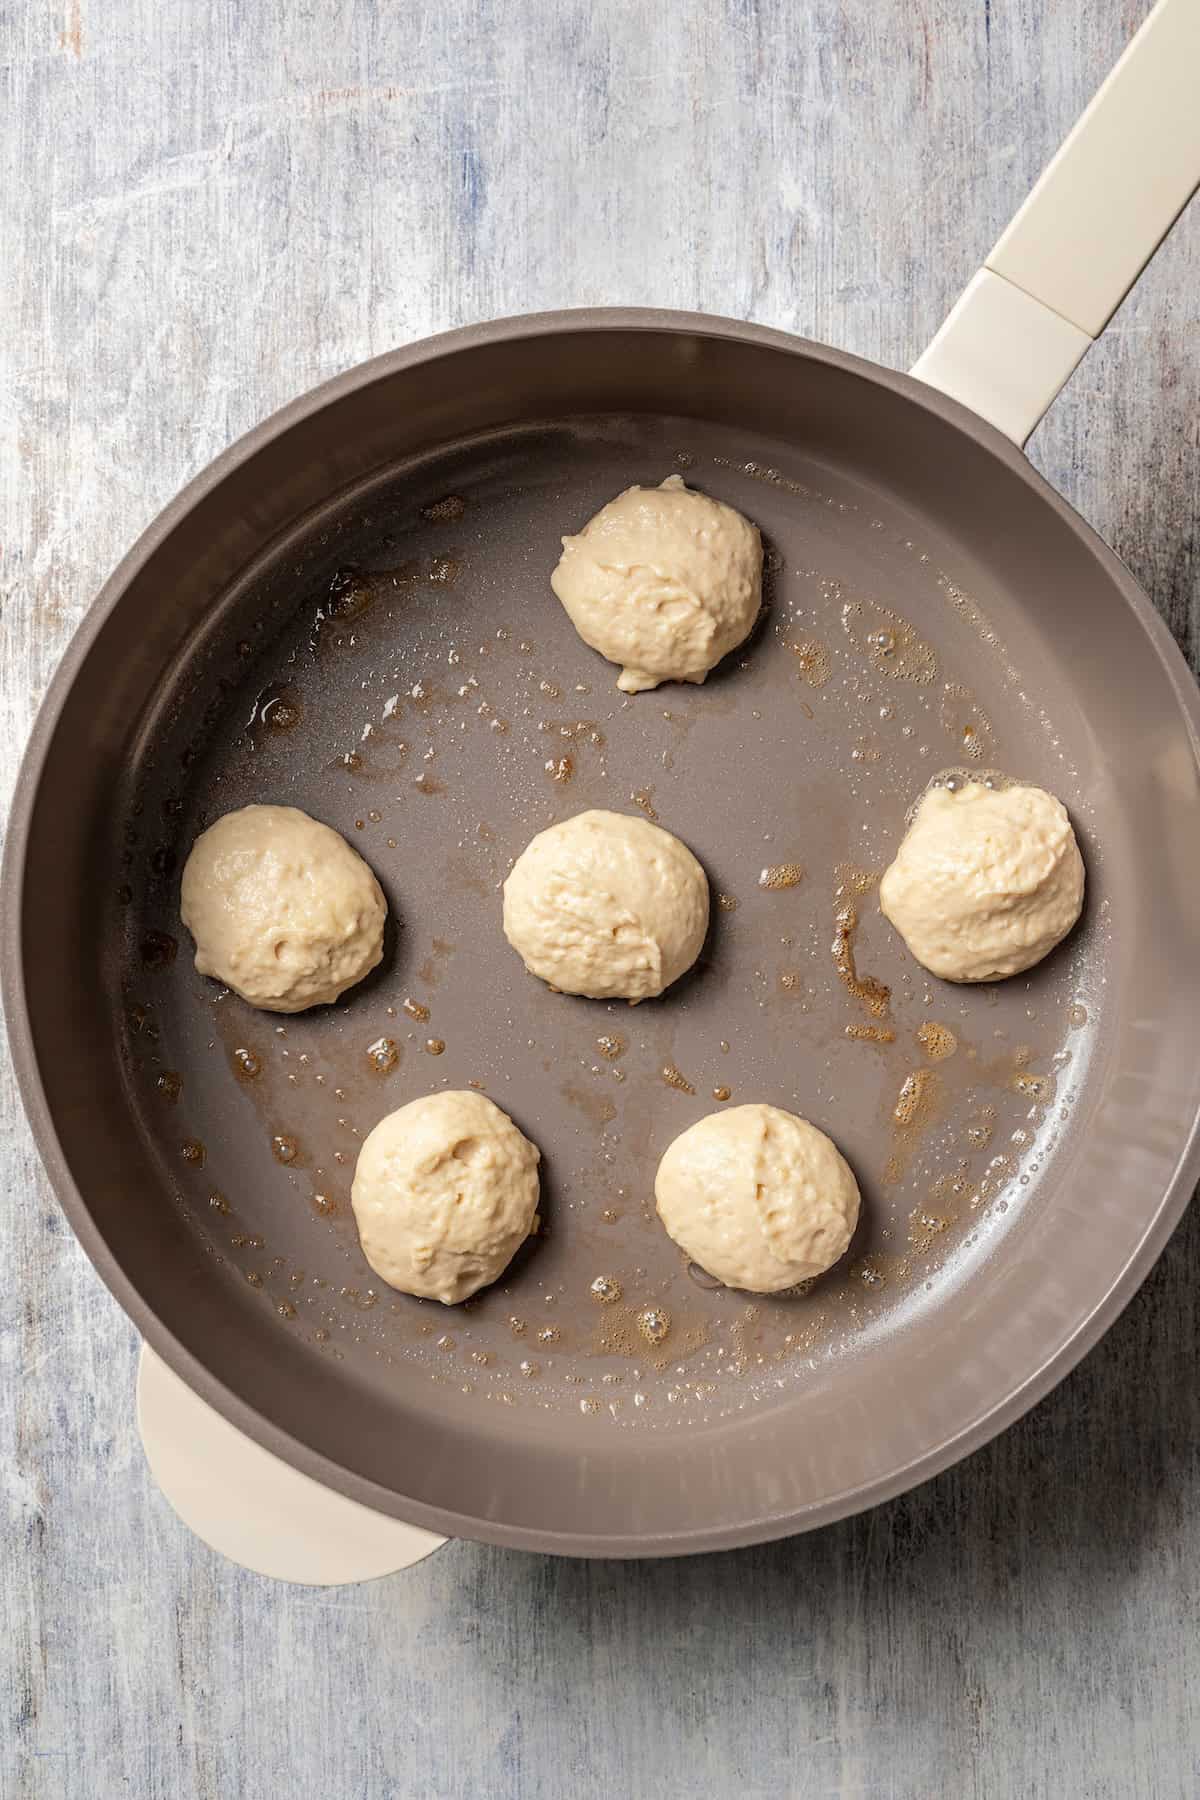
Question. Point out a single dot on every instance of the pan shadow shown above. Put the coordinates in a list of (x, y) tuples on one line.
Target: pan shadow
[(1040, 1533), (381, 980), (730, 666)]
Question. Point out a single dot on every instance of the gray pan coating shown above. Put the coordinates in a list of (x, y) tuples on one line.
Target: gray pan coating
[(351, 613)]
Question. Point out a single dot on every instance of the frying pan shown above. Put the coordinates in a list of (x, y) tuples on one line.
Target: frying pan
[(350, 612)]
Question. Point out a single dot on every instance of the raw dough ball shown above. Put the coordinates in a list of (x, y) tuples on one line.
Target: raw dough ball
[(758, 1197), (986, 882), (445, 1192), (283, 911), (664, 581), (607, 906)]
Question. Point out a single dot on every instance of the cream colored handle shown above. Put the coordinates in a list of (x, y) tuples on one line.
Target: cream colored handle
[(1095, 218), (254, 1508)]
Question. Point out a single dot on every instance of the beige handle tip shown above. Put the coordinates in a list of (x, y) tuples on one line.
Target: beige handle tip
[(254, 1508), (1097, 215)]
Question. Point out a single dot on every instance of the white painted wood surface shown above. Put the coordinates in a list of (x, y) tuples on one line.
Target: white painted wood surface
[(204, 208)]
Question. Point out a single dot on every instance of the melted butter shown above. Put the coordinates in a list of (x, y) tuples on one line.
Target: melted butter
[(781, 875), (852, 882), (813, 658), (916, 1107), (383, 1055), (873, 993), (913, 1100), (936, 1040), (889, 643)]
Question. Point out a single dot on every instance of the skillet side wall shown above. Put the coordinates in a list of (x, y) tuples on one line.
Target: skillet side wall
[(741, 1480)]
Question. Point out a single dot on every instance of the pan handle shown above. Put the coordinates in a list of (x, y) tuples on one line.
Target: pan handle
[(258, 1511), (1093, 221)]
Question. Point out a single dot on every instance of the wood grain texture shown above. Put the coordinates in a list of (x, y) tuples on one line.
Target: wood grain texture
[(205, 208)]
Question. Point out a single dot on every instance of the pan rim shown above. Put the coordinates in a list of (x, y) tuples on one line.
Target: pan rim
[(1011, 1406)]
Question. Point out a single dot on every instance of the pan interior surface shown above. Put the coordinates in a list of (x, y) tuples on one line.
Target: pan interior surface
[(396, 665)]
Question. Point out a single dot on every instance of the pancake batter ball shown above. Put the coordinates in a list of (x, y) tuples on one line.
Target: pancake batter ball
[(607, 906), (987, 881), (283, 911), (664, 581), (445, 1192), (758, 1197)]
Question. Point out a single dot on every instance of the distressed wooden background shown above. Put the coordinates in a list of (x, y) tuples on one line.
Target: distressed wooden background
[(207, 206)]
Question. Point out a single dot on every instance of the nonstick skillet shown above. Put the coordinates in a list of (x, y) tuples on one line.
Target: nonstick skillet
[(350, 612)]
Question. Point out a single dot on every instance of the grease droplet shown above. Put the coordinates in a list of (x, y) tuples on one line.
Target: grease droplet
[(874, 994), (937, 1041), (383, 1055), (871, 1034), (813, 658), (890, 643), (654, 1324), (445, 512), (279, 710), (362, 1300), (781, 875), (912, 1098)]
